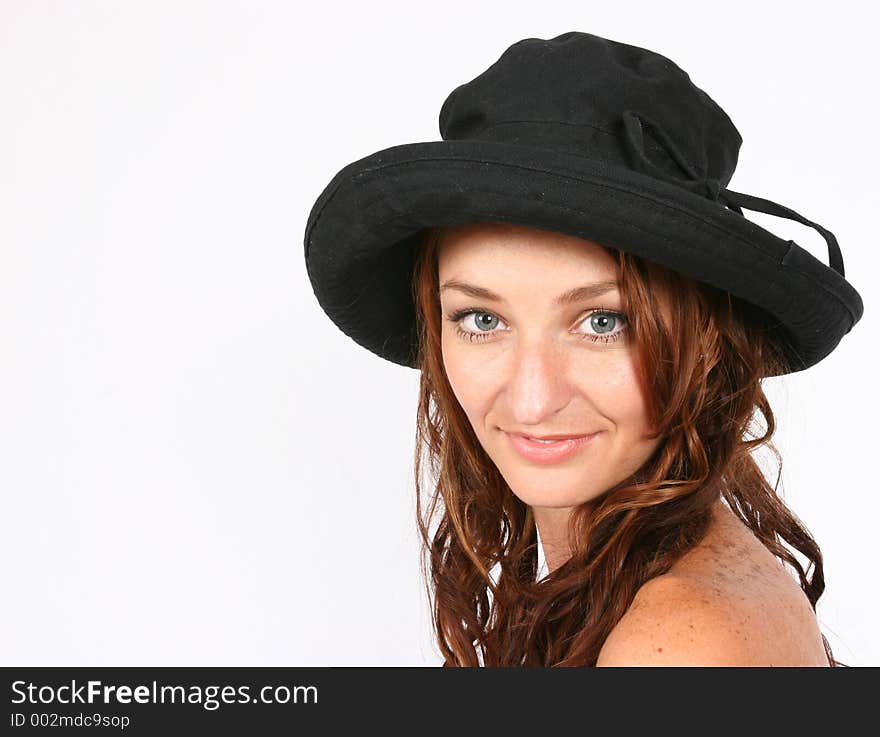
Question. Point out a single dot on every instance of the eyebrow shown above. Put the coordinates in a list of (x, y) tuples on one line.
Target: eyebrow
[(578, 294)]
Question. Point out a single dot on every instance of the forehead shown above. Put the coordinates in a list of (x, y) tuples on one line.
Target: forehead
[(515, 251)]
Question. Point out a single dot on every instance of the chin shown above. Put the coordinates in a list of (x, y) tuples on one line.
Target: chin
[(537, 493)]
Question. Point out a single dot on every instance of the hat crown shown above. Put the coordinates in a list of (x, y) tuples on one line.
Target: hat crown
[(603, 99)]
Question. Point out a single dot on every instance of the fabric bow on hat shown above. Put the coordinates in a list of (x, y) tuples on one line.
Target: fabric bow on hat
[(711, 187)]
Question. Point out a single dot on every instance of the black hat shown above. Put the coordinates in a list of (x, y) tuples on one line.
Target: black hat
[(587, 137)]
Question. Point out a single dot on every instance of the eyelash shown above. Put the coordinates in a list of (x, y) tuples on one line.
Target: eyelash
[(459, 315)]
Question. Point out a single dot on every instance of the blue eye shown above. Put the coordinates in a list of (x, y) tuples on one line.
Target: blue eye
[(602, 320)]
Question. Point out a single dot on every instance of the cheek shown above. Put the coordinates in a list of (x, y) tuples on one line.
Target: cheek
[(458, 369), (618, 395), (468, 378)]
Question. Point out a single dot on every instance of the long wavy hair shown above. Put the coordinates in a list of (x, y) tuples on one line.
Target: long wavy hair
[(702, 388)]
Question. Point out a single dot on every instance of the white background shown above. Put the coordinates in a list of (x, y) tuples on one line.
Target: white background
[(196, 466)]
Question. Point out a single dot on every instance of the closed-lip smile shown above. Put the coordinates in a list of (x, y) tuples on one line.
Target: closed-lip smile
[(550, 449), (549, 437)]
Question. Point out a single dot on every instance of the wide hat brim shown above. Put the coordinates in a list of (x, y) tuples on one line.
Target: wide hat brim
[(364, 230)]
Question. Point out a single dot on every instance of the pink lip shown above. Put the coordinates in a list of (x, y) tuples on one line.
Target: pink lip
[(537, 452)]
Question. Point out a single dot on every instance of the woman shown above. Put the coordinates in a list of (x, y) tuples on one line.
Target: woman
[(568, 262)]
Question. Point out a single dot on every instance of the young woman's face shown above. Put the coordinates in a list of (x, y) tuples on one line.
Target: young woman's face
[(533, 366)]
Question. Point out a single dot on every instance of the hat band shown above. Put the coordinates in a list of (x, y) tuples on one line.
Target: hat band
[(581, 139)]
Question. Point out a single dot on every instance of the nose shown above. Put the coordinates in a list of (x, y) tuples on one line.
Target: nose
[(540, 381)]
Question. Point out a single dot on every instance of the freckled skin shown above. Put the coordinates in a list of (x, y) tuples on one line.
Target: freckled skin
[(767, 607)]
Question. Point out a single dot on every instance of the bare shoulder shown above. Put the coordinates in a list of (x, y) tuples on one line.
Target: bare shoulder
[(730, 603), (676, 622)]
